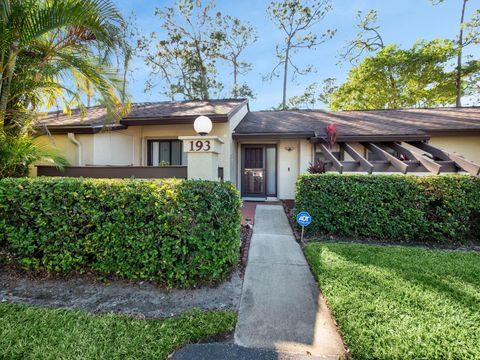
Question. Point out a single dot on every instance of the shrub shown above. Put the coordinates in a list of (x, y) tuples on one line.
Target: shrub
[(442, 209), (176, 232), (318, 167)]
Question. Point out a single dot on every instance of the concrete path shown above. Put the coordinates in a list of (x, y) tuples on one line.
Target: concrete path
[(281, 308)]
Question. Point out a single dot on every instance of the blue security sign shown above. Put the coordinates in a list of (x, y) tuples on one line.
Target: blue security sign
[(304, 219)]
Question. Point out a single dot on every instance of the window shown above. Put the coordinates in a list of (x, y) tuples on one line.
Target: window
[(164, 152)]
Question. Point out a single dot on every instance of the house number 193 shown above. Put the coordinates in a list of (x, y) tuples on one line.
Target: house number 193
[(200, 145)]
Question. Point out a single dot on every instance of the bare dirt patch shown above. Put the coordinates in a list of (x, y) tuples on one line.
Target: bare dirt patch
[(140, 299)]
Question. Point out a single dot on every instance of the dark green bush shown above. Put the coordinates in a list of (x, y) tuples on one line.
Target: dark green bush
[(441, 209), (179, 233)]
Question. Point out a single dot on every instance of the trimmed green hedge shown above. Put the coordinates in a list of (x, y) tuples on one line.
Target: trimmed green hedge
[(179, 233), (441, 209)]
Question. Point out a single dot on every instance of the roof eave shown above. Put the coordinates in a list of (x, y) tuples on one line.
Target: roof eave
[(342, 138), (81, 129), (285, 135), (374, 138), (170, 120), (465, 131)]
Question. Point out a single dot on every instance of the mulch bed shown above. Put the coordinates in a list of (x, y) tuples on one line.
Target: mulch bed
[(246, 236)]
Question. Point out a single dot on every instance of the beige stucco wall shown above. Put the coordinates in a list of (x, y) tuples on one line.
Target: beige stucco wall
[(174, 131), (68, 149), (231, 144), (88, 149), (466, 145), (114, 148), (60, 143)]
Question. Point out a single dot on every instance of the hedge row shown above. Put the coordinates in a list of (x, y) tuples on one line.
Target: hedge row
[(437, 209), (176, 232)]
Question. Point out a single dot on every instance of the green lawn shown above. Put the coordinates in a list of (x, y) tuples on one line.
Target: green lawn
[(399, 302), (35, 333)]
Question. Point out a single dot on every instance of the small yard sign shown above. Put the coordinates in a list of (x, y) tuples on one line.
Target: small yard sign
[(304, 219)]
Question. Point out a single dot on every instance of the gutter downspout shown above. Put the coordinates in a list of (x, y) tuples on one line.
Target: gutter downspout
[(78, 144)]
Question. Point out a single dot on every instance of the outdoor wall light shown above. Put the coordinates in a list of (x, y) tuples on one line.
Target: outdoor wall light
[(289, 148), (202, 125)]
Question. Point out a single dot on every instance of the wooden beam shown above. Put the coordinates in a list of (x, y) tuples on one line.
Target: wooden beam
[(336, 163), (429, 164), (397, 163), (464, 164), (400, 149), (364, 163), (469, 166), (430, 149)]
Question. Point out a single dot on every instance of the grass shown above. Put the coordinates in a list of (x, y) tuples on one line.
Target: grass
[(34, 333), (399, 302)]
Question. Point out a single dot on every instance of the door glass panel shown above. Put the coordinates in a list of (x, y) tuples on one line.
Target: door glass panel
[(155, 153), (253, 181), (254, 172), (271, 170), (165, 152), (176, 153), (254, 158)]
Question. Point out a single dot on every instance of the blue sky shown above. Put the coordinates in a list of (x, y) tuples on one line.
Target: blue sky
[(401, 22)]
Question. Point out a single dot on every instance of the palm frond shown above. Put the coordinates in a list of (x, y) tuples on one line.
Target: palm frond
[(17, 153)]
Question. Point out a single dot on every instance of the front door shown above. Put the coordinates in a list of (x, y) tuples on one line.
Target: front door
[(259, 171)]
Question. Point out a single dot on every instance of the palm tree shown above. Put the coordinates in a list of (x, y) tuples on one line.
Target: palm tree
[(54, 53), (57, 52)]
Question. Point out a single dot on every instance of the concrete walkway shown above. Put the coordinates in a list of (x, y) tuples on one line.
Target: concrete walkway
[(281, 308)]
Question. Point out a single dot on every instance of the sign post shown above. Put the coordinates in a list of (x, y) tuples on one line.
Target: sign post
[(202, 156), (304, 219)]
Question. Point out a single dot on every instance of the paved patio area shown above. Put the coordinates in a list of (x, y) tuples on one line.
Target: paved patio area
[(249, 207)]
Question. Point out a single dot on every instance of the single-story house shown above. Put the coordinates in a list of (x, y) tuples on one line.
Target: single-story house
[(263, 152)]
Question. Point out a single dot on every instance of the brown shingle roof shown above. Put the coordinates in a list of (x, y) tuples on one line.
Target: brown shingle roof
[(143, 113), (95, 116), (409, 122), (184, 108)]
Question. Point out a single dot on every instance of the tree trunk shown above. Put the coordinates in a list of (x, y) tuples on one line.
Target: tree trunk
[(393, 84), (6, 82), (285, 77), (126, 64), (458, 79), (235, 75), (2, 70), (203, 73), (87, 85)]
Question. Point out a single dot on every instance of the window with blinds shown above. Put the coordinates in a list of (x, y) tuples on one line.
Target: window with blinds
[(164, 152)]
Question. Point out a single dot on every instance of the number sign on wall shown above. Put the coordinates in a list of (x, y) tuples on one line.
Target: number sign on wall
[(200, 145)]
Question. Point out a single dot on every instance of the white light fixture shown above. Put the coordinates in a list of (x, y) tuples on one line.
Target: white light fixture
[(202, 125)]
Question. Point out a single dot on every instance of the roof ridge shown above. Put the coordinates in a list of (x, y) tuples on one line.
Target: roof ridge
[(239, 100), (368, 110)]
